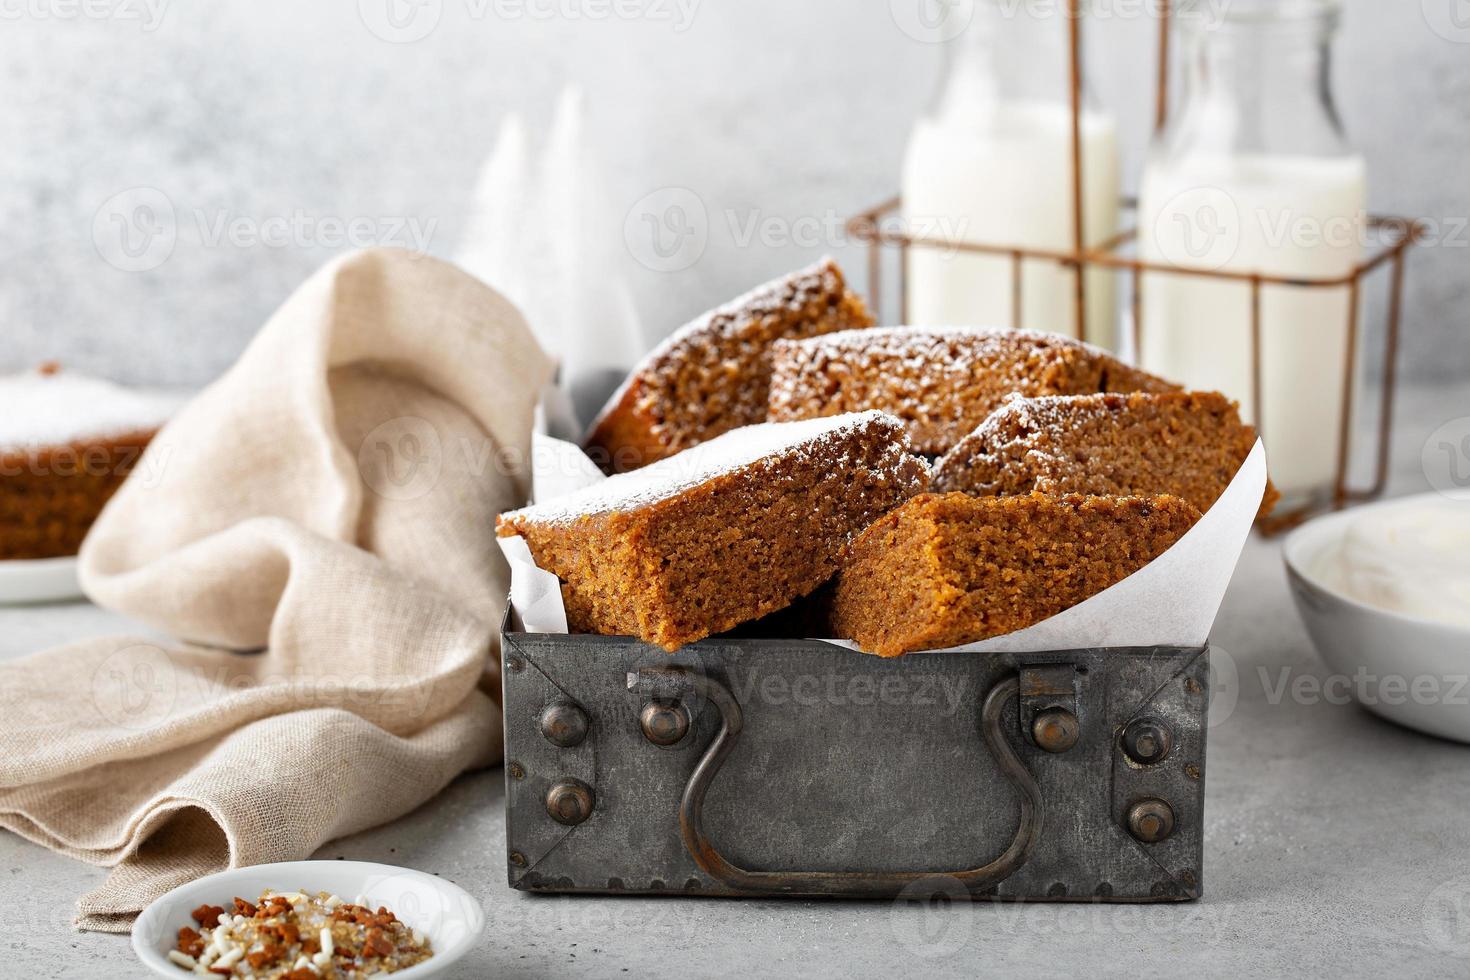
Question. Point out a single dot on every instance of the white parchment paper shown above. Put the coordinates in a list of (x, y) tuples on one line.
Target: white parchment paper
[(1172, 601)]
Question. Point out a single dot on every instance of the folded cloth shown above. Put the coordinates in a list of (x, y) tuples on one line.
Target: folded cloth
[(317, 528)]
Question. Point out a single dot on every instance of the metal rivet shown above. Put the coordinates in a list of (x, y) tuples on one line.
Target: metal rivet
[(518, 859), (570, 802), (1147, 741), (1055, 729), (515, 664), (563, 724), (1151, 821), (664, 722)]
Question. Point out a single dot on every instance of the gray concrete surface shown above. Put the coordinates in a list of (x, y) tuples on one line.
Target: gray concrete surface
[(1336, 845), (777, 115)]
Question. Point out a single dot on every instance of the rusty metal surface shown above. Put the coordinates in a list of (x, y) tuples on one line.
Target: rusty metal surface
[(810, 769)]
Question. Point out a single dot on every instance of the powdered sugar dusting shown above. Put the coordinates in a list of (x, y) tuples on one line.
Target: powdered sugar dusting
[(789, 293), (1034, 442), (899, 341), (1045, 420), (735, 450), (56, 409), (1054, 415), (1042, 421)]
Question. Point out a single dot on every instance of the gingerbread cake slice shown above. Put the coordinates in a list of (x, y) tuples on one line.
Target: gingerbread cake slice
[(713, 375), (942, 382), (1188, 444), (723, 533), (67, 442), (944, 570)]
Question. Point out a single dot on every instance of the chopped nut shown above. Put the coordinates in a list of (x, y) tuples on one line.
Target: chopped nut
[(190, 942), (376, 944), (265, 956), (207, 915)]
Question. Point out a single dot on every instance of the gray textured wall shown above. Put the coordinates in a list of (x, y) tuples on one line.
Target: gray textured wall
[(246, 110)]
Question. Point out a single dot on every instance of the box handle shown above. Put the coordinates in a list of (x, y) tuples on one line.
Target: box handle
[(848, 883)]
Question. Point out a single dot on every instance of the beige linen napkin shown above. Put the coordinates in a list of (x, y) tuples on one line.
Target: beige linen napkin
[(317, 529)]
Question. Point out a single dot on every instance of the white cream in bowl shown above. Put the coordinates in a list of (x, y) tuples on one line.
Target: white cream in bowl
[(1410, 557), (1384, 591)]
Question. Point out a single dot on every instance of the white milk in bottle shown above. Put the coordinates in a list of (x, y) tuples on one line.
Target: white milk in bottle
[(1254, 175), (991, 162)]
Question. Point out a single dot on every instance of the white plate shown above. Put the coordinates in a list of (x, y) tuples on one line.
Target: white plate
[(38, 580), (1382, 654), (444, 912)]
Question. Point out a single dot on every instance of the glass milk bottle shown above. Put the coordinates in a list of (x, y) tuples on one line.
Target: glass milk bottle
[(991, 162), (1255, 175)]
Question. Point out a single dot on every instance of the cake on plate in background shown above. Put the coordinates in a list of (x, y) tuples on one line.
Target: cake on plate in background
[(67, 442)]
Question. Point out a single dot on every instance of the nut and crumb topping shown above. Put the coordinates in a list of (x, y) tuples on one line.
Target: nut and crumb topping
[(297, 936)]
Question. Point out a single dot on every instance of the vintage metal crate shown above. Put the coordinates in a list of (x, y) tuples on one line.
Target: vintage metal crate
[(762, 767)]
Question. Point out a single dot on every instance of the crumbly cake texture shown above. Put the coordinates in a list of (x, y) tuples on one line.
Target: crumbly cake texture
[(945, 570), (942, 382), (713, 375), (723, 533), (67, 442), (1187, 444)]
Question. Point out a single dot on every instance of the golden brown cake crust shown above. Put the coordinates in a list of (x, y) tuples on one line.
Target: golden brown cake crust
[(713, 374), (51, 495), (941, 382), (945, 570), (1188, 444), (722, 534)]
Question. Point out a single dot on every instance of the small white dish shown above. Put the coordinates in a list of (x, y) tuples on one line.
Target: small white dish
[(38, 580), (1412, 671), (443, 911)]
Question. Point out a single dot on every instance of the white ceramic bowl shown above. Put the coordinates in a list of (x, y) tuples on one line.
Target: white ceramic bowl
[(444, 912), (1412, 671)]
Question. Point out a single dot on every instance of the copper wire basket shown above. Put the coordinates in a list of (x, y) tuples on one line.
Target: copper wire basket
[(1397, 235)]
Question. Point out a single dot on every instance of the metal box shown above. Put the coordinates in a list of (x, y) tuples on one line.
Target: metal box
[(764, 767)]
